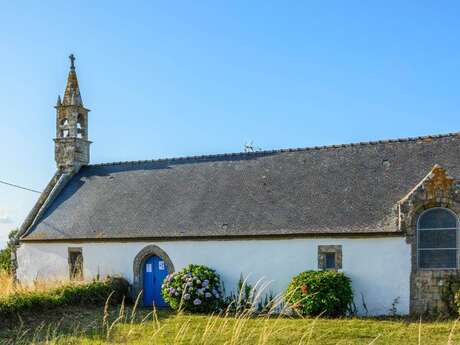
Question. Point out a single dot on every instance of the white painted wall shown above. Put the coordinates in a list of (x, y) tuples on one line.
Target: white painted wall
[(379, 267)]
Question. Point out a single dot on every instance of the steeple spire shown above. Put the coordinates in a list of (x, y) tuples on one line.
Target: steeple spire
[(72, 91), (71, 142)]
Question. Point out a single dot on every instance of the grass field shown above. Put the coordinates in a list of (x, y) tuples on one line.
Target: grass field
[(75, 325), (125, 325)]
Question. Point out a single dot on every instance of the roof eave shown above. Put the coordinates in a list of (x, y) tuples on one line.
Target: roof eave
[(222, 238)]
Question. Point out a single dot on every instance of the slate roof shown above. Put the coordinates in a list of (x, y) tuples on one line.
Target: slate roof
[(340, 189)]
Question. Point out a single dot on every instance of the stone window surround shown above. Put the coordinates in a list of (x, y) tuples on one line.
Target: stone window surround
[(437, 189), (411, 232), (75, 250), (426, 284), (326, 249), (417, 234), (138, 264)]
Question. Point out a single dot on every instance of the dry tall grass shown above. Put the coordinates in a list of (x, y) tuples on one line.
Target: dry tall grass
[(8, 287), (134, 325), (141, 327), (6, 283)]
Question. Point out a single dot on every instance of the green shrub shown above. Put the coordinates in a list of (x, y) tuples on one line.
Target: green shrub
[(242, 299), (457, 301), (195, 288), (320, 292), (247, 299), (5, 254), (94, 293), (450, 294)]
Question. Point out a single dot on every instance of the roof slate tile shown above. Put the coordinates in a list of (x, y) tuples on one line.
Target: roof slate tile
[(339, 189)]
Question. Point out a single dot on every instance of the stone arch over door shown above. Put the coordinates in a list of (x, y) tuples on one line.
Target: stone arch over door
[(139, 260)]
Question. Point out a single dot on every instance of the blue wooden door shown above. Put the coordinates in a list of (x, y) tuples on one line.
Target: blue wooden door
[(155, 271)]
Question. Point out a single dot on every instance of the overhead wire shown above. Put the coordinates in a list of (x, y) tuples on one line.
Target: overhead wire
[(20, 187)]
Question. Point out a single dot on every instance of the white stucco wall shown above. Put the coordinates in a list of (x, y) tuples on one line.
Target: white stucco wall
[(379, 267)]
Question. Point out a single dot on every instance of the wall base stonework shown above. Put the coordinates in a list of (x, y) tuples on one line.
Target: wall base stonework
[(427, 291)]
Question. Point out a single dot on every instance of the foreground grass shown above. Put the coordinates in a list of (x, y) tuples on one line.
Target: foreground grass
[(122, 325), (93, 326)]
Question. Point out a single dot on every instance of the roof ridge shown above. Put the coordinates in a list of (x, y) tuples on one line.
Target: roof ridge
[(267, 152)]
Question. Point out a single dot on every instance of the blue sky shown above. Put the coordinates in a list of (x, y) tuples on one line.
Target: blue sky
[(199, 77)]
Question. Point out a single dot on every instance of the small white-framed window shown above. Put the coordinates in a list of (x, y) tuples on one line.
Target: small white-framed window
[(437, 239)]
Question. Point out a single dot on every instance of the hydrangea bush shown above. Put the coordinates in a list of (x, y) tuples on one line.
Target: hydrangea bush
[(195, 288)]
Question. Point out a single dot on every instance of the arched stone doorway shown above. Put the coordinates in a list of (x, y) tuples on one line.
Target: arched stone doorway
[(139, 260)]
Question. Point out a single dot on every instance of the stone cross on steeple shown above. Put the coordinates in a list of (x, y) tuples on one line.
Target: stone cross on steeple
[(72, 61)]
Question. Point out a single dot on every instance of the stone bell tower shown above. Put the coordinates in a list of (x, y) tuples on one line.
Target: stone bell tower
[(71, 142)]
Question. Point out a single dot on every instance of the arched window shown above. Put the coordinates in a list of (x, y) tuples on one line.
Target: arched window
[(64, 128), (79, 130), (80, 126), (437, 232)]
